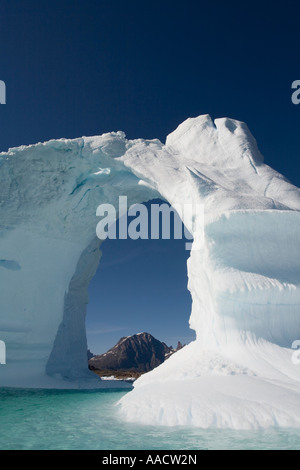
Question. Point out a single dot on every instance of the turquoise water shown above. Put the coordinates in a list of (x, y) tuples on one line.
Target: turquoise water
[(56, 419)]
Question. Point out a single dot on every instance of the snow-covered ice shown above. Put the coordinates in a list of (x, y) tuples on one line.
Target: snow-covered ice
[(244, 280)]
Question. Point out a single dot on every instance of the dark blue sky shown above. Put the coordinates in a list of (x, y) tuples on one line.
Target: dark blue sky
[(85, 67)]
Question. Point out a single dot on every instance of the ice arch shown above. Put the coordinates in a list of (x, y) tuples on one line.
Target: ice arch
[(244, 280)]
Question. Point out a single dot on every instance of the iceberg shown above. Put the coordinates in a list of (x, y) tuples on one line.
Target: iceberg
[(244, 279)]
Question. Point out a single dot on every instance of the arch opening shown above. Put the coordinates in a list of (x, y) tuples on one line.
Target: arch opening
[(141, 286)]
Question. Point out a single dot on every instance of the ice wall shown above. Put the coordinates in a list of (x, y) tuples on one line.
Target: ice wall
[(244, 283), (244, 278)]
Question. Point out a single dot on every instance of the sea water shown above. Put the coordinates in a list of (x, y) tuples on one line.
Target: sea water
[(59, 419)]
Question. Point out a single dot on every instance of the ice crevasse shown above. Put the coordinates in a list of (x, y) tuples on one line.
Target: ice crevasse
[(244, 279)]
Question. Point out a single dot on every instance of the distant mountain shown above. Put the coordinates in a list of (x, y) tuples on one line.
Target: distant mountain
[(89, 354), (138, 353)]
